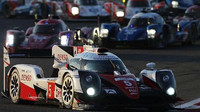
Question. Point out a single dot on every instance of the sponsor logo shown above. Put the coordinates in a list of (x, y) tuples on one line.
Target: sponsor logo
[(62, 57), (26, 77), (129, 32), (124, 79), (110, 91), (131, 90), (58, 93), (165, 78), (39, 39), (127, 83)]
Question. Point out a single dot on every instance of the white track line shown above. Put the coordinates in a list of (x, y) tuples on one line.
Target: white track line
[(190, 105)]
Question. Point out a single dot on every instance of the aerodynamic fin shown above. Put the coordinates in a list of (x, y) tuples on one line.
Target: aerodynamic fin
[(63, 54), (6, 63), (6, 58)]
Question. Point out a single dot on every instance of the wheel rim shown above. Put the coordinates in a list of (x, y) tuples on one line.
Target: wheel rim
[(67, 91), (14, 87)]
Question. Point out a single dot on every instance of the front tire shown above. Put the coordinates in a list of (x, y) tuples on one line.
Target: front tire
[(192, 37), (14, 86), (161, 42), (68, 91)]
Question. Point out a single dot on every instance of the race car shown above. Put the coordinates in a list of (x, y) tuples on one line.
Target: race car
[(40, 38), (116, 10), (84, 9), (189, 24), (172, 7), (12, 8), (90, 78), (136, 6), (145, 29)]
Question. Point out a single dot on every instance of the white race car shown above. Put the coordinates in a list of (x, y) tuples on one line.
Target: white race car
[(93, 78), (83, 9)]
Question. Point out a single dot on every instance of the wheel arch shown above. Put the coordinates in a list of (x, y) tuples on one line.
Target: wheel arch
[(166, 29), (11, 70), (8, 78)]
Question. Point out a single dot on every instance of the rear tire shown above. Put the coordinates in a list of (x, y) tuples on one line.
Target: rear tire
[(68, 91), (14, 86)]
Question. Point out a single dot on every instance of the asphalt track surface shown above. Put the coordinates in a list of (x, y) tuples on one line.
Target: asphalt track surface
[(183, 60)]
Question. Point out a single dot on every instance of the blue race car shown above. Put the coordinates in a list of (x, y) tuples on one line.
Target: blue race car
[(189, 25), (145, 28), (11, 8)]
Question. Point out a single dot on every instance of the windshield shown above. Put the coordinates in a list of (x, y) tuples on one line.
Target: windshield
[(88, 2), (48, 29), (138, 22), (138, 3), (106, 66)]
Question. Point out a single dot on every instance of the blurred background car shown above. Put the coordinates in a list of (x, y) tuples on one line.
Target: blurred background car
[(189, 24), (116, 10), (136, 6), (12, 8), (83, 9), (39, 38)]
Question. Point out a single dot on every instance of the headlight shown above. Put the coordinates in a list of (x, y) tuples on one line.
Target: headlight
[(120, 14), (170, 91), (104, 32), (64, 40), (88, 78), (151, 33), (75, 10), (10, 40), (175, 4), (90, 91)]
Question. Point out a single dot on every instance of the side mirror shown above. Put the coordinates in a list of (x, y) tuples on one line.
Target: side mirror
[(151, 65), (116, 73)]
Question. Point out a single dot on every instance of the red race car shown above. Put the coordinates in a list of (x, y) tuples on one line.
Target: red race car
[(116, 10), (41, 37)]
